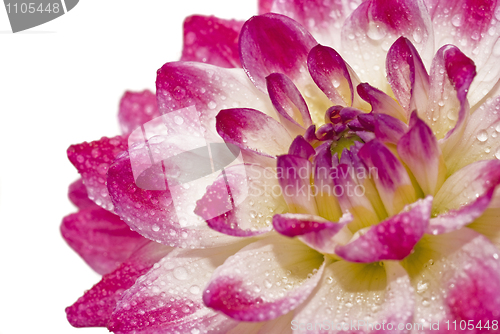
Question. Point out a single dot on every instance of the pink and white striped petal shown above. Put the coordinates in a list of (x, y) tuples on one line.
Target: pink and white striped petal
[(265, 279), (100, 237), (209, 89), (211, 40), (95, 307), (464, 196), (450, 77), (480, 139), (136, 108), (294, 175), (473, 26), (381, 102), (392, 181), (321, 18), (242, 201), (456, 277), (420, 151), (392, 239), (155, 214), (407, 76), (316, 232), (331, 73), (372, 28), (351, 296), (389, 129), (253, 130), (300, 147), (273, 43), (92, 160), (168, 298), (289, 103)]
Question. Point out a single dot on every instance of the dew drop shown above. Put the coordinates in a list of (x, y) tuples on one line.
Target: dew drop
[(155, 228), (482, 136), (178, 120), (376, 30), (456, 20), (417, 35), (180, 273), (497, 153), (211, 105)]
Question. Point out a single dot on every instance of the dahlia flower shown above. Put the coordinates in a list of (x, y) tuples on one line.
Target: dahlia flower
[(322, 167)]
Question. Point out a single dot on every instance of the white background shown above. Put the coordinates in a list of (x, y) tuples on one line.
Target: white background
[(60, 84)]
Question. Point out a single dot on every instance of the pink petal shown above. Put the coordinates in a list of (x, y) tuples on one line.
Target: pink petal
[(265, 6), (137, 108), (253, 130), (451, 75), (208, 89), (372, 28), (392, 239), (94, 308), (294, 175), (316, 232), (407, 76), (153, 214), (300, 147), (168, 299), (420, 151), (274, 43), (100, 237), (77, 194), (211, 40), (92, 160), (352, 296), (321, 18), (249, 285), (464, 196), (241, 201), (480, 139), (472, 25), (392, 181), (389, 129), (289, 103), (330, 72), (457, 278), (381, 103)]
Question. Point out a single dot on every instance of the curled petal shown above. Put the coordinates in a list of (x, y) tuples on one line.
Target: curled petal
[(472, 25), (407, 76), (137, 108), (301, 148), (92, 161), (372, 28), (451, 75), (389, 129), (392, 239), (464, 196), (392, 180), (211, 40), (420, 151), (95, 307), (316, 232), (384, 292), (252, 130), (241, 201), (242, 290), (288, 101), (274, 43), (381, 102)]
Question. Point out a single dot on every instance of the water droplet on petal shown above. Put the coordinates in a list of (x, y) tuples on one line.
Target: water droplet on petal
[(482, 136), (376, 30)]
